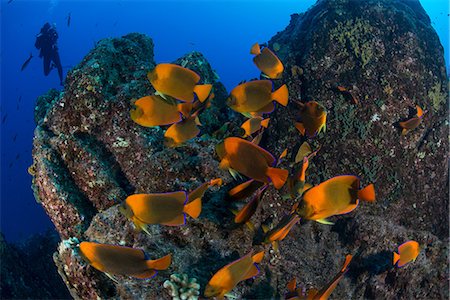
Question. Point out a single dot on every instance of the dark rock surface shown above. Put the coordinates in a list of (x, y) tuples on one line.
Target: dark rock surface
[(89, 155), (28, 271)]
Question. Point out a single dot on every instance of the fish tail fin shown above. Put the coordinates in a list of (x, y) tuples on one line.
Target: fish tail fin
[(265, 122), (278, 176), (404, 131), (292, 285), (202, 91), (256, 49), (300, 127), (224, 164), (194, 208), (367, 193), (396, 258), (258, 257), (250, 226), (281, 95), (160, 263)]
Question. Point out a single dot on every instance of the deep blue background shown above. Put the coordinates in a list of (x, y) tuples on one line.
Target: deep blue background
[(222, 30)]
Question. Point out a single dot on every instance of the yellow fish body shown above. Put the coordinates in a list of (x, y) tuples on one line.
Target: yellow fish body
[(165, 209), (119, 260), (230, 275), (313, 119), (177, 82), (407, 252), (336, 196), (256, 96), (267, 62), (153, 110), (250, 160), (253, 125), (181, 132), (413, 122)]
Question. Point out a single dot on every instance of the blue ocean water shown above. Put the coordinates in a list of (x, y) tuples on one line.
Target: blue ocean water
[(222, 30)]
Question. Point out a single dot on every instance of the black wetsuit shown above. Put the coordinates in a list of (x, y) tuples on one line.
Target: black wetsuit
[(46, 42)]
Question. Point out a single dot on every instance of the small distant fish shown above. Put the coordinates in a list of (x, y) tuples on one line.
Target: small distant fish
[(153, 110), (120, 260), (412, 123), (14, 137), (347, 94), (10, 165), (178, 82), (313, 119), (20, 99), (68, 19), (296, 71), (181, 132), (168, 209), (336, 196), (239, 155), (253, 125), (17, 156), (407, 252), (244, 215), (224, 280), (9, 1), (280, 231), (257, 96), (267, 62), (25, 64), (314, 294), (4, 118)]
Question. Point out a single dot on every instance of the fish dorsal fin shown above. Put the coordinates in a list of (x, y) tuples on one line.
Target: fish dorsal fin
[(265, 122), (202, 91)]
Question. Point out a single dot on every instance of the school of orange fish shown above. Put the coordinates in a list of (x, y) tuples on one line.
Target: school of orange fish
[(178, 101)]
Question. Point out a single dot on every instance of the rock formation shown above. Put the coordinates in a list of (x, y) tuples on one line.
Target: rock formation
[(89, 155)]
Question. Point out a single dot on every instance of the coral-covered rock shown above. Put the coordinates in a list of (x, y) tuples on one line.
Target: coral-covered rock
[(89, 155)]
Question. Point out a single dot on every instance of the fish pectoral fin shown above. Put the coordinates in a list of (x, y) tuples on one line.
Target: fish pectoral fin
[(230, 296), (161, 94), (234, 174), (254, 271), (275, 246), (250, 226), (146, 275), (324, 221)]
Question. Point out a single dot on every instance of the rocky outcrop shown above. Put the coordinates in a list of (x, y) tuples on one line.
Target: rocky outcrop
[(89, 155)]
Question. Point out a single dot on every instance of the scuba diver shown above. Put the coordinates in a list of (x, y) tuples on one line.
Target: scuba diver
[(46, 42)]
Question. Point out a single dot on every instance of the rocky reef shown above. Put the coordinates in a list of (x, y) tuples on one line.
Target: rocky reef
[(89, 155)]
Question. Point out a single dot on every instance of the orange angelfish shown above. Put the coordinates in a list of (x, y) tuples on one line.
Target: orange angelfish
[(257, 97), (230, 275), (336, 196), (313, 119), (267, 62), (347, 94), (177, 82), (239, 155), (412, 123), (253, 125), (119, 260), (153, 110), (279, 232), (407, 252), (182, 131), (244, 215), (200, 191), (165, 209)]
